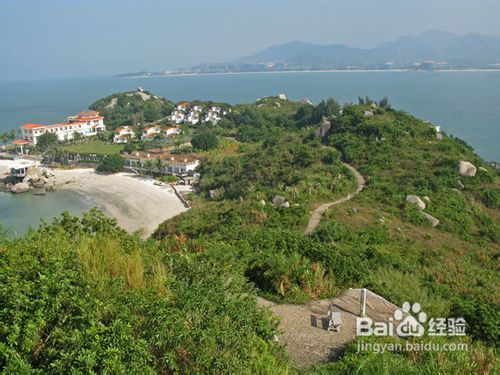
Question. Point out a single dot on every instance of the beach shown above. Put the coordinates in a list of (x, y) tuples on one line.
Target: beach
[(135, 202)]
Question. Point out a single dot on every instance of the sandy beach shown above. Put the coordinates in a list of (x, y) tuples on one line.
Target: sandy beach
[(135, 202)]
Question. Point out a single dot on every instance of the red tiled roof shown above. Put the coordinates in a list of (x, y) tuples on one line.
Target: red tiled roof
[(32, 126), (86, 113), (81, 118), (20, 142)]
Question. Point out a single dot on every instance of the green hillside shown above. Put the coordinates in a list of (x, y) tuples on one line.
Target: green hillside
[(84, 295)]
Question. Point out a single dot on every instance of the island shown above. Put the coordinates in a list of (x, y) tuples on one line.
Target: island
[(296, 222)]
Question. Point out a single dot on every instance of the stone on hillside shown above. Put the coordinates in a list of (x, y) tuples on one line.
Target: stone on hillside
[(112, 103), (305, 101), (285, 205), (278, 200), (466, 169), (368, 113), (439, 136), (431, 219), (262, 202), (282, 96), (277, 105), (413, 199), (483, 169), (143, 95), (21, 187), (426, 198)]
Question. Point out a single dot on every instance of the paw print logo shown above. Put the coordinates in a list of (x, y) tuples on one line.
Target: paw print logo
[(412, 324)]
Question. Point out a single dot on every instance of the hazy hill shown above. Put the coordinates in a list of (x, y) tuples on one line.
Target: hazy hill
[(459, 50)]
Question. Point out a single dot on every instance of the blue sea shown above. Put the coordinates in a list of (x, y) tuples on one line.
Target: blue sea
[(465, 104)]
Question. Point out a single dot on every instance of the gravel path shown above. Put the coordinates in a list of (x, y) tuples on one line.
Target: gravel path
[(303, 327), (318, 212)]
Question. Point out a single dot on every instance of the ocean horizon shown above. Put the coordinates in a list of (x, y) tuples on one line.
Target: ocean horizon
[(463, 103)]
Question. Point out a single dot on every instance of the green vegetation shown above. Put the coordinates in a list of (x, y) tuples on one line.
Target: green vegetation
[(132, 108), (111, 164), (94, 146), (47, 142), (82, 293), (7, 137), (204, 141), (83, 296)]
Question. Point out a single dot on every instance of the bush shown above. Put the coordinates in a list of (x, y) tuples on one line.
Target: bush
[(111, 164), (205, 141)]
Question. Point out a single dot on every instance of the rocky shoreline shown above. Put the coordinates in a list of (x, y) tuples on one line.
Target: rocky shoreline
[(38, 180)]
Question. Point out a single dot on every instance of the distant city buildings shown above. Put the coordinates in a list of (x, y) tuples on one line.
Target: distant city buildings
[(86, 124)]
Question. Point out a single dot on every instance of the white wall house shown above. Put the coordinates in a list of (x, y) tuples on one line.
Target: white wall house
[(193, 118), (176, 117), (212, 117), (123, 134), (151, 132), (166, 132), (170, 163), (86, 123)]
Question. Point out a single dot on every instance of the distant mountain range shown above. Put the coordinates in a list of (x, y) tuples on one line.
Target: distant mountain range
[(430, 50)]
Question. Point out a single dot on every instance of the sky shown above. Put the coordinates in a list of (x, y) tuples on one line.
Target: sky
[(41, 39)]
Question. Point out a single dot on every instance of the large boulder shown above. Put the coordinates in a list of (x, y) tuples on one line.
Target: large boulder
[(414, 199), (431, 219), (305, 101), (466, 169), (278, 200), (21, 187)]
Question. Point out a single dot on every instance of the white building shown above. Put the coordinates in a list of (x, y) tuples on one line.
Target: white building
[(123, 134), (163, 162), (151, 132), (193, 118), (167, 132), (212, 117), (182, 106), (85, 123), (177, 117)]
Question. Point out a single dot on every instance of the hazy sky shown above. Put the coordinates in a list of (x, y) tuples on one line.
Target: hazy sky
[(69, 38)]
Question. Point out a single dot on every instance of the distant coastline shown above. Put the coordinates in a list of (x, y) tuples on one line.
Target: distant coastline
[(303, 71)]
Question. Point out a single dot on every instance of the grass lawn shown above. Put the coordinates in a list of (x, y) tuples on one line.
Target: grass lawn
[(94, 147)]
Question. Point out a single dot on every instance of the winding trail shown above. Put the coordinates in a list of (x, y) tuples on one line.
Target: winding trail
[(318, 212)]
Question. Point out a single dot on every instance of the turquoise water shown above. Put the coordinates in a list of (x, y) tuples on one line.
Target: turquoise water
[(465, 104), (18, 212)]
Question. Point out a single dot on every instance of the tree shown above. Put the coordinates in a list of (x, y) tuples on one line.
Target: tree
[(385, 103), (47, 142), (205, 141), (111, 164), (77, 136)]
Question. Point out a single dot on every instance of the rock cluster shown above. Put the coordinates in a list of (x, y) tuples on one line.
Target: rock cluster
[(414, 199), (36, 178)]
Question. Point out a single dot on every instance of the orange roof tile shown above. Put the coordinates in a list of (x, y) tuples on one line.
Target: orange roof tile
[(20, 142), (32, 126)]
